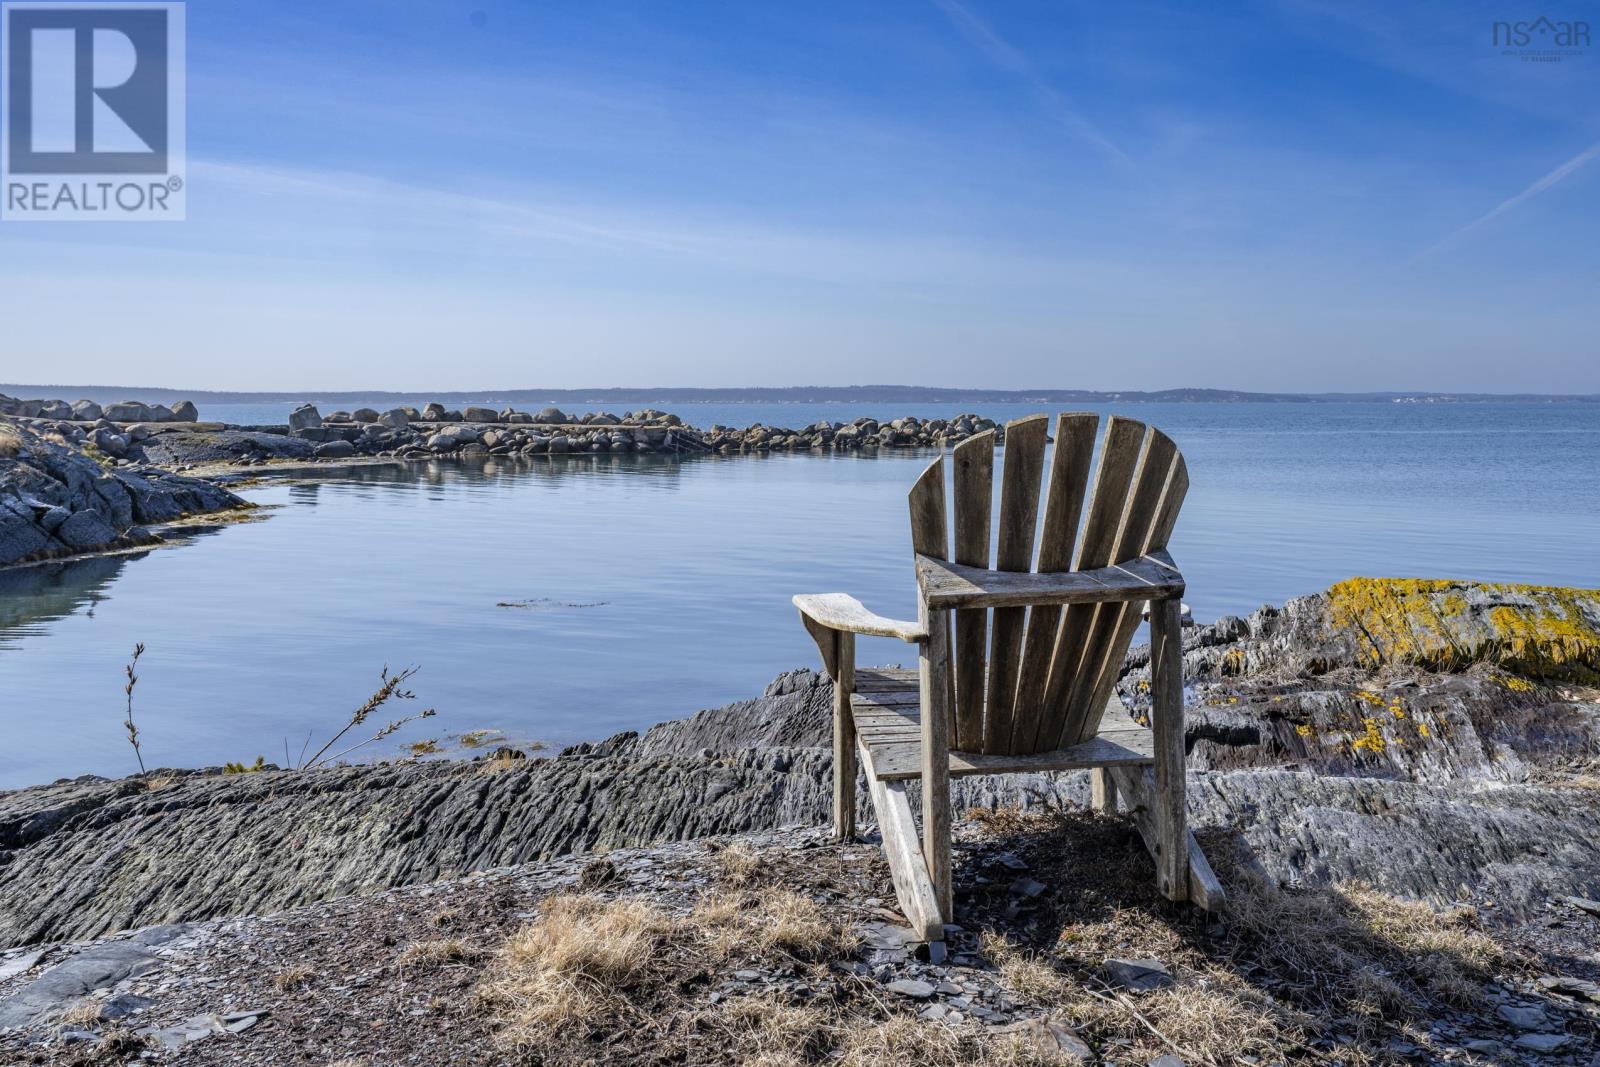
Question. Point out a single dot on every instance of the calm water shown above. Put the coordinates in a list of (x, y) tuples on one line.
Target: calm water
[(647, 588)]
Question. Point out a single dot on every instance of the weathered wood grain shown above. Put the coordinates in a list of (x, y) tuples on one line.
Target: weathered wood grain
[(844, 739), (1111, 632), (1136, 786), (840, 611), (1019, 516), (930, 533), (1069, 479), (907, 868), (950, 585), (1166, 724), (974, 498), (895, 752), (1119, 455), (934, 668)]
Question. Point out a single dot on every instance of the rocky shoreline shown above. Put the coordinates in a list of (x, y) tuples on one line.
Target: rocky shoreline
[(81, 477), (60, 496), (1335, 757), (1432, 741)]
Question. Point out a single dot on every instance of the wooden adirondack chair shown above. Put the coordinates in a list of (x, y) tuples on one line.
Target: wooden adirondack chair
[(1027, 682)]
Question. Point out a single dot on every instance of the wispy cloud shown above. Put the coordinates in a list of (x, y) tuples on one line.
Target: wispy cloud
[(512, 224), (1010, 59), (1549, 181)]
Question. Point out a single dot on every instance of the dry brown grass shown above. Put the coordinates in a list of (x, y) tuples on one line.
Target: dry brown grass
[(739, 865), (1355, 950), (499, 764), (1286, 967), (292, 978), (10, 442), (421, 955), (625, 972), (574, 966), (780, 921), (80, 1015)]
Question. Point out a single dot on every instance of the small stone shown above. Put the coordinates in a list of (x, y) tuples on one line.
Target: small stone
[(1542, 1042), (1167, 1060), (1027, 887), (121, 1005), (911, 987), (1522, 1016), (1586, 905), (335, 450), (1140, 976)]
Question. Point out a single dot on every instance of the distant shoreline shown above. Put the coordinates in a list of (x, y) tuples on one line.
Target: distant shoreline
[(857, 394)]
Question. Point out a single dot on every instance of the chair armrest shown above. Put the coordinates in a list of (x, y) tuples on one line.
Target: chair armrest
[(838, 611), (951, 585)]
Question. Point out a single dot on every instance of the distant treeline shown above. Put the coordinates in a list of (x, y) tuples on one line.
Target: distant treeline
[(806, 394)]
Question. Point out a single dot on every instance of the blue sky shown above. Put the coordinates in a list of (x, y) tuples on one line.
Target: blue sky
[(494, 194)]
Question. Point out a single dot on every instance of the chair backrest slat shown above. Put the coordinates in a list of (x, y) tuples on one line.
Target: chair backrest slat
[(1019, 517), (974, 493), (930, 528), (1063, 509), (928, 524), (1028, 680)]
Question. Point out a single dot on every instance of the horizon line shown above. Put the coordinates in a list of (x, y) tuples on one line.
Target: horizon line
[(944, 392)]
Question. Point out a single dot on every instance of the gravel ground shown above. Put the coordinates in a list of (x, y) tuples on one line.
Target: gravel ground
[(343, 982)]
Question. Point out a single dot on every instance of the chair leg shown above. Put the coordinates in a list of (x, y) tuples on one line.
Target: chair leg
[(935, 694), (1166, 723), (1103, 791), (844, 738)]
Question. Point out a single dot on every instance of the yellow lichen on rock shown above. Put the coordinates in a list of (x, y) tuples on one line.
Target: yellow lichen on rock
[(1541, 631), (1371, 741)]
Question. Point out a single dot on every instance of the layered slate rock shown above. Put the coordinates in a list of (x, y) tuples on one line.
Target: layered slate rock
[(57, 500), (1474, 785)]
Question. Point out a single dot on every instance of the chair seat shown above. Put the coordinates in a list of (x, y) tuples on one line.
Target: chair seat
[(888, 717)]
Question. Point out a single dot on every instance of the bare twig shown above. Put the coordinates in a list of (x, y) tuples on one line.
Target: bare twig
[(390, 689), (127, 723), (381, 734)]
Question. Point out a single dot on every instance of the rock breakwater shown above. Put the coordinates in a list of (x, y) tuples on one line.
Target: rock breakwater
[(139, 432)]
